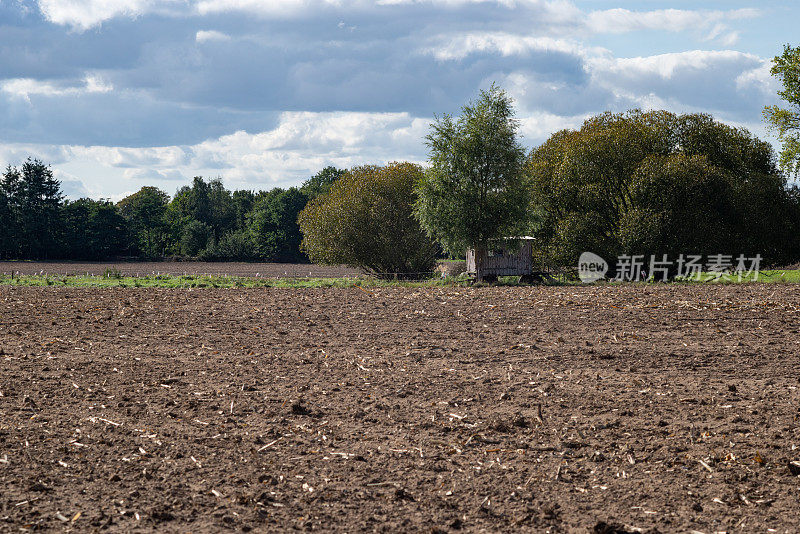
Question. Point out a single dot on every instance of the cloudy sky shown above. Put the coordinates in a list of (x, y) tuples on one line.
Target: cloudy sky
[(117, 94)]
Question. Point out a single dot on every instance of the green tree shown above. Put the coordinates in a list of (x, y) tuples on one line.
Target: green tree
[(196, 236), (367, 221), (474, 191), (145, 213), (107, 228), (91, 230), (274, 231), (321, 183), (223, 209), (33, 198), (204, 202), (190, 203), (656, 183), (9, 237), (243, 202), (234, 245), (678, 204), (195, 200), (786, 121)]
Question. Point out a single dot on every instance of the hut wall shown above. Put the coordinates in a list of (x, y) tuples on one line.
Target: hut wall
[(501, 262)]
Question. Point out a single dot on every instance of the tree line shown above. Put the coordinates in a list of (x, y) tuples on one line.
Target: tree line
[(651, 184), (203, 220), (635, 183)]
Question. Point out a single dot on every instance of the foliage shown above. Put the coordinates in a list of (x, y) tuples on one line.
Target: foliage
[(208, 203), (273, 226), (31, 202), (321, 183), (786, 121), (656, 183), (195, 238), (366, 221), (235, 245), (145, 213), (473, 191), (91, 230), (204, 220), (8, 222), (243, 201)]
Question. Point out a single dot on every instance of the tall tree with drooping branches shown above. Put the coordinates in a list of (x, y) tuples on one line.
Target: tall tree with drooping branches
[(474, 191)]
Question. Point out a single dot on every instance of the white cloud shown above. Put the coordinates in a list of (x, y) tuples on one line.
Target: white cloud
[(211, 35), (72, 186), (266, 8), (710, 24), (25, 87), (706, 25), (729, 39), (293, 7), (153, 175), (84, 14), (621, 20), (304, 142), (15, 154), (300, 145), (759, 79), (536, 127), (665, 66), (744, 13), (123, 157), (724, 83), (459, 46)]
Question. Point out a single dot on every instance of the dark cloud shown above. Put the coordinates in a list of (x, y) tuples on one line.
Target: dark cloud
[(119, 118), (156, 84), (170, 89)]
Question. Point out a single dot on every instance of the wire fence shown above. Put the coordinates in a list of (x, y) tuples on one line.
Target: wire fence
[(177, 269), (445, 271), (311, 275)]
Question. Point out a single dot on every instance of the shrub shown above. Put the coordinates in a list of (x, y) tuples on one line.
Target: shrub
[(366, 221)]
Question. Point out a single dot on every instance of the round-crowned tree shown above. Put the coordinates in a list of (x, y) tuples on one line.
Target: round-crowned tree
[(366, 221), (656, 183)]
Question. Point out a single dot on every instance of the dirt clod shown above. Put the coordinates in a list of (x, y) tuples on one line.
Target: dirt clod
[(342, 410)]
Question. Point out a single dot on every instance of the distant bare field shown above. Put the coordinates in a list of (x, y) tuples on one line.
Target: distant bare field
[(266, 270)]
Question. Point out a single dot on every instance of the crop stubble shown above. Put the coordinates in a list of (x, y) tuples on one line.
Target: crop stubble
[(400, 409)]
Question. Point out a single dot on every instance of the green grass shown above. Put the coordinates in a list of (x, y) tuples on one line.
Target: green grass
[(766, 277), (205, 281)]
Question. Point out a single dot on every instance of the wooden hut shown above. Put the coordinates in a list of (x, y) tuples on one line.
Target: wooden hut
[(503, 257)]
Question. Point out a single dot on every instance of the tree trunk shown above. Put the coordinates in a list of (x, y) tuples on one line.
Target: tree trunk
[(481, 253)]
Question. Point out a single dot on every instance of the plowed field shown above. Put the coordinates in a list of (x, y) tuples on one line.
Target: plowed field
[(669, 408)]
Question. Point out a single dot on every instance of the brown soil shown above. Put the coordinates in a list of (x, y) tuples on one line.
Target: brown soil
[(591, 409), (176, 268)]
